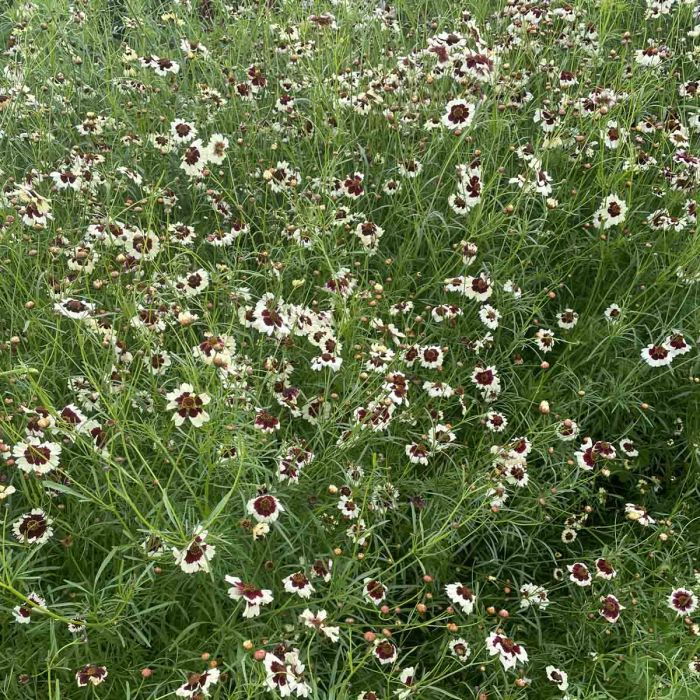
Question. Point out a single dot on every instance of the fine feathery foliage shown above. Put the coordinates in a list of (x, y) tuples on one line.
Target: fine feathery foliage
[(349, 350)]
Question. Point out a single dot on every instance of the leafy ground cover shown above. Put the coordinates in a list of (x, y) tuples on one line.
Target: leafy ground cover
[(349, 350)]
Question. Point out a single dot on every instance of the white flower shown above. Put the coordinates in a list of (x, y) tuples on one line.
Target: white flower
[(462, 596), (188, 405), (317, 621), (197, 555), (557, 676), (265, 508), (253, 596)]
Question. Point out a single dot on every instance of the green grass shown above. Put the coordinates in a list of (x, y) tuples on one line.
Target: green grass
[(152, 478)]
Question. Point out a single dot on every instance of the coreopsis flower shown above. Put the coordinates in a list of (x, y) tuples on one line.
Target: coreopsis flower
[(438, 390), (348, 507), (509, 651), (317, 621), (253, 597), (78, 627), (496, 422), (638, 514), (91, 674), (544, 338), (567, 430), (161, 66), (657, 355), (579, 574), (407, 677), (489, 316), (611, 212), (568, 535), (285, 672), (385, 651), (36, 456), (265, 508), (532, 595), (440, 437), (322, 569), (567, 319), (628, 448), (182, 131), (458, 114), (299, 584), (417, 453), (613, 313), (461, 596), (269, 317), (373, 591), (74, 308), (215, 150), (199, 684), (352, 185), (604, 570), (33, 527), (610, 608), (22, 613), (586, 456), (142, 245), (266, 422), (188, 405), (683, 601), (194, 159), (459, 648), (677, 344), (558, 677), (694, 667), (6, 490), (153, 546), (196, 555)]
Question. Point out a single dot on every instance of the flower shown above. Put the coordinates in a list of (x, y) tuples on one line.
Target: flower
[(188, 405), (253, 596), (458, 114), (385, 651), (604, 570), (6, 490), (199, 684), (182, 131), (610, 608), (533, 595), (22, 613), (509, 652), (407, 676), (657, 355), (558, 677), (298, 583), (579, 574), (91, 674), (374, 591), (285, 672), (35, 456), (683, 601), (33, 527), (461, 596), (638, 514), (197, 555), (74, 308), (459, 648), (611, 212), (265, 508), (317, 621)]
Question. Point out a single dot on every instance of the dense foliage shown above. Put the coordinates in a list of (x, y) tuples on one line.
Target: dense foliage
[(349, 351)]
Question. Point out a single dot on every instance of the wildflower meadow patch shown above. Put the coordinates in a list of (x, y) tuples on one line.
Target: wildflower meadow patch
[(348, 350)]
